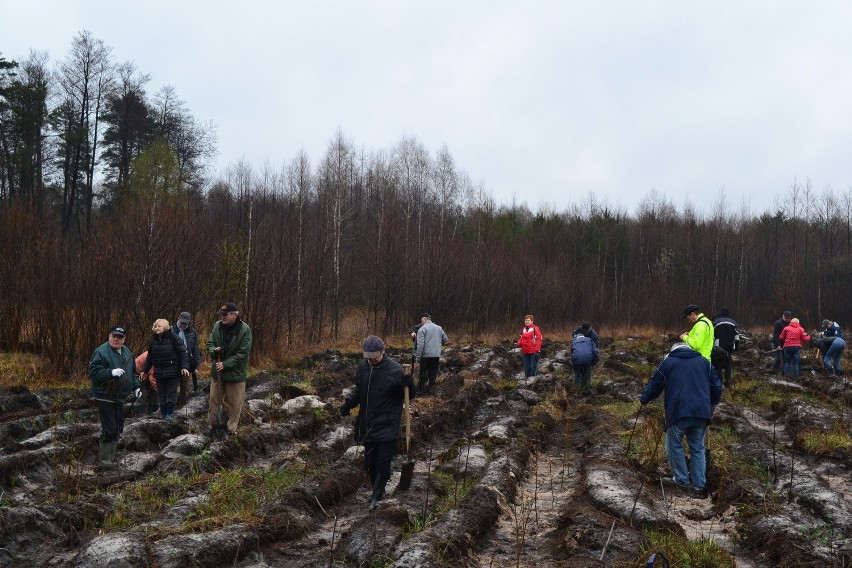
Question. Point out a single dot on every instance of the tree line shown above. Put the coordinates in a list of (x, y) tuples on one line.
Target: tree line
[(106, 217)]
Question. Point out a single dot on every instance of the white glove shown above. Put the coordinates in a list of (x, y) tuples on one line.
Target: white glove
[(138, 394), (118, 372)]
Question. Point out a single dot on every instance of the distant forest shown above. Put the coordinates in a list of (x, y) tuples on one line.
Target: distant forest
[(108, 215)]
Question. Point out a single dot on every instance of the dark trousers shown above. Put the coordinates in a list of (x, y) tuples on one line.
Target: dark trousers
[(583, 376), (167, 392), (728, 370), (779, 361), (377, 459), (428, 371), (151, 404), (112, 420)]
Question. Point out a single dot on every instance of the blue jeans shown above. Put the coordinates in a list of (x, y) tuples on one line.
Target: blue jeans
[(530, 364), (693, 429), (791, 359), (833, 355)]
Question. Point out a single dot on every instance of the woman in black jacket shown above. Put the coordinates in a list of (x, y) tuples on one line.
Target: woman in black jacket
[(167, 354)]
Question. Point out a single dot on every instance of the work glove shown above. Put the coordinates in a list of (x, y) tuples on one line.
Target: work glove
[(344, 410), (138, 394), (118, 372), (408, 381)]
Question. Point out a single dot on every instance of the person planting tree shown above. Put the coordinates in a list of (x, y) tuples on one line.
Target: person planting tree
[(692, 392), (379, 394)]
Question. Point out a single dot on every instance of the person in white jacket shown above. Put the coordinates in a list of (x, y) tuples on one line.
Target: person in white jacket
[(430, 337)]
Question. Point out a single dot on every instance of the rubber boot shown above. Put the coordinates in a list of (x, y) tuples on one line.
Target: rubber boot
[(170, 410), (106, 454), (378, 491)]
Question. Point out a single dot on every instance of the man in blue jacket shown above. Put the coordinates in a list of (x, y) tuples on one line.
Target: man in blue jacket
[(692, 392), (832, 332), (584, 354)]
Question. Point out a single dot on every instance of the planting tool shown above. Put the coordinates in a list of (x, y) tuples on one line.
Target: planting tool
[(220, 432), (407, 472)]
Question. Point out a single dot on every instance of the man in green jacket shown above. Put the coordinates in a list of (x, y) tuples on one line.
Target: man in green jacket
[(700, 337), (229, 346), (112, 371)]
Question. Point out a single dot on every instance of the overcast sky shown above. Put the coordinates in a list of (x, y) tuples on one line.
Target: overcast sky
[(540, 102)]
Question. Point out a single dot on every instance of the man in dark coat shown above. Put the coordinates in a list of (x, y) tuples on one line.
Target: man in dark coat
[(184, 329), (378, 393), (692, 392), (112, 371), (726, 336), (776, 340), (586, 330), (229, 345)]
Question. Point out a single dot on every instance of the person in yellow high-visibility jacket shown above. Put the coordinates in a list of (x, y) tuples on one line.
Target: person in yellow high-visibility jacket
[(700, 337)]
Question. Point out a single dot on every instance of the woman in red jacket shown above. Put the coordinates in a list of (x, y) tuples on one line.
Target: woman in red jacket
[(793, 335), (530, 344)]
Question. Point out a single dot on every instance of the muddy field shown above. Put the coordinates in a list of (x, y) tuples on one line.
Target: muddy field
[(509, 472)]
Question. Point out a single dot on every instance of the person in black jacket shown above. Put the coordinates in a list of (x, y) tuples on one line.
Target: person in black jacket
[(378, 394), (167, 354), (777, 343), (586, 330), (726, 337), (186, 332)]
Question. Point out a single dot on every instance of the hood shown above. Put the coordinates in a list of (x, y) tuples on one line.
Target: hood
[(684, 353)]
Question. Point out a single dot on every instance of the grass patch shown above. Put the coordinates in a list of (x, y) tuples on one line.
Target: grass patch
[(231, 496), (820, 443), (684, 553), (622, 410), (33, 372)]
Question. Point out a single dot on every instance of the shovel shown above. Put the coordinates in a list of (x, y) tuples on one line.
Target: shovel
[(408, 467), (220, 433)]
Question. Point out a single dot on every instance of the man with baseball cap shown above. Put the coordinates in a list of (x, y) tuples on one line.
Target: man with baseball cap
[(229, 345), (430, 338), (700, 337), (112, 371), (378, 394)]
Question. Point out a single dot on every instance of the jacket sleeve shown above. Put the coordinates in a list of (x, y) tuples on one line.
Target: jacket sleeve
[(443, 337), (100, 371), (700, 335), (149, 362), (654, 388), (421, 342), (352, 400), (183, 356), (211, 340)]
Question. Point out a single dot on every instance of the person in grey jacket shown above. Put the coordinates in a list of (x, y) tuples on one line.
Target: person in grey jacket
[(430, 337), (112, 371)]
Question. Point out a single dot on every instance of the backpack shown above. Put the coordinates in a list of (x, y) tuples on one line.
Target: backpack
[(719, 358)]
